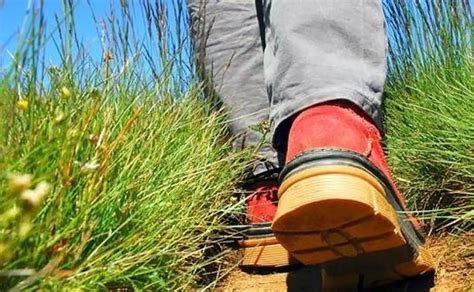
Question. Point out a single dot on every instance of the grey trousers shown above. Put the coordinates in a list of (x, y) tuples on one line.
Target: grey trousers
[(314, 51)]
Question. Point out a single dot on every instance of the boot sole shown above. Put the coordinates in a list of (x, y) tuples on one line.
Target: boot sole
[(339, 215), (265, 253)]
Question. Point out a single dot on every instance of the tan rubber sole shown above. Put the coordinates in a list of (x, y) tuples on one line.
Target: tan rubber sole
[(326, 213), (265, 253)]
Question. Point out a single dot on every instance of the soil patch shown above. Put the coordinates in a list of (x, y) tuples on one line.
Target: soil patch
[(454, 258)]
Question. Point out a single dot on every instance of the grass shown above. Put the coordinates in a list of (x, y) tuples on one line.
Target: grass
[(115, 172), (136, 192), (429, 109), (134, 175)]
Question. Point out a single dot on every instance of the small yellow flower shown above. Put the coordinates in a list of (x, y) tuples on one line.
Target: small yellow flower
[(24, 229), (65, 93), (22, 104), (59, 117), (108, 56), (73, 133), (11, 214)]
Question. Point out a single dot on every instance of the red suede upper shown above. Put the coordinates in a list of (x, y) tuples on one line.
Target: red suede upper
[(262, 203), (339, 126)]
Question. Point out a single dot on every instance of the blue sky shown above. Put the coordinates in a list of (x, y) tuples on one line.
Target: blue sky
[(12, 13)]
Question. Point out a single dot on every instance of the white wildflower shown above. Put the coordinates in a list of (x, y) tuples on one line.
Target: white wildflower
[(19, 182), (35, 197), (88, 166)]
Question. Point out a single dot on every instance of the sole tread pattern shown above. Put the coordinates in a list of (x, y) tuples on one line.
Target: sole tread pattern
[(265, 253), (330, 212)]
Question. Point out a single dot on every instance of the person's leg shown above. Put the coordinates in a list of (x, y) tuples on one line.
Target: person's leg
[(325, 71), (229, 51), (230, 54), (318, 51)]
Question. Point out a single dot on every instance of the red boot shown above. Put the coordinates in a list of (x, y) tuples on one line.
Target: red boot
[(339, 205), (260, 247)]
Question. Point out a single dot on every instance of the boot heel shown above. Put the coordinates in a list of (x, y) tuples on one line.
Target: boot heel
[(330, 212), (265, 253)]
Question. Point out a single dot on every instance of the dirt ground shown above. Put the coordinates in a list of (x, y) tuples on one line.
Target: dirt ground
[(455, 263), (454, 258)]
